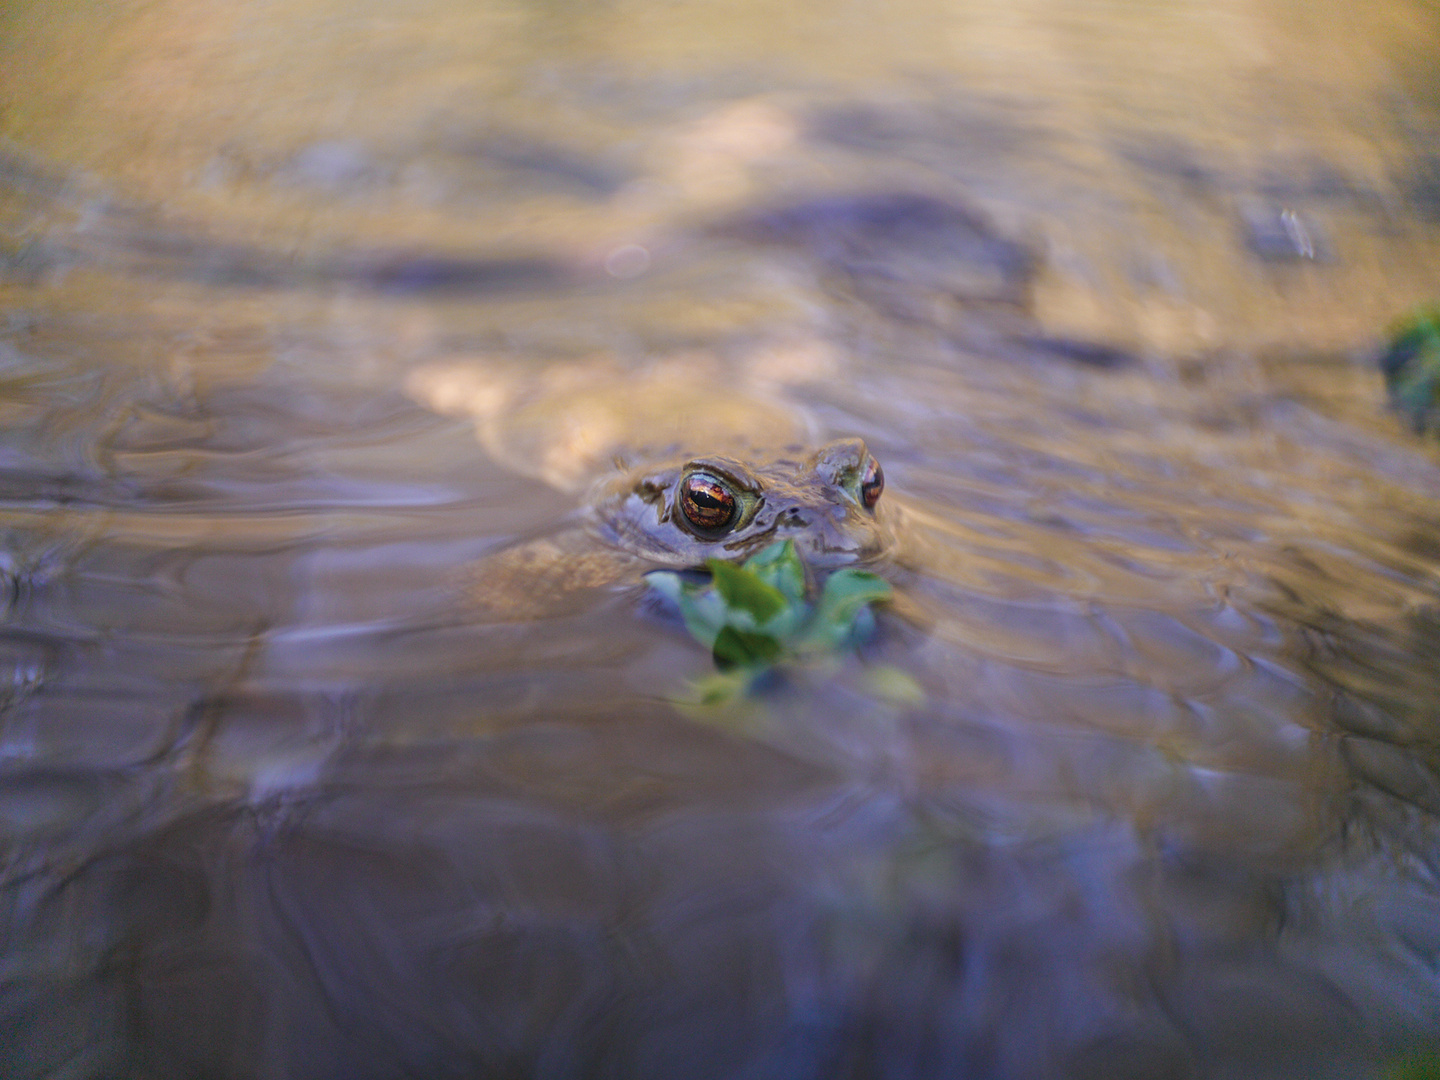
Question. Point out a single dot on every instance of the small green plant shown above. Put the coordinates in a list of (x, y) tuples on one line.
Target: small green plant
[(1411, 363), (1422, 1066), (755, 617)]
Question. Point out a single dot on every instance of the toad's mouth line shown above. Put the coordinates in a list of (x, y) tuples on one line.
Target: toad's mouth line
[(753, 541)]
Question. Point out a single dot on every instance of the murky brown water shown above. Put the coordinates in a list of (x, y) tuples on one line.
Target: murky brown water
[(311, 310)]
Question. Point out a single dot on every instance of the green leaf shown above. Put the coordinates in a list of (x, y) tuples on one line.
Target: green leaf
[(1411, 364), (744, 591), (702, 609), (848, 589), (779, 565), (890, 683), (667, 583), (850, 592), (705, 614), (1425, 1066), (843, 615), (722, 687), (744, 648)]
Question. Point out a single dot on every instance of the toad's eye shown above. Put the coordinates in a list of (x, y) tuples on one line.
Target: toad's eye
[(707, 502), (872, 483)]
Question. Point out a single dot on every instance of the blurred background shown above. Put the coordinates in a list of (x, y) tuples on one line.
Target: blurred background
[(314, 311)]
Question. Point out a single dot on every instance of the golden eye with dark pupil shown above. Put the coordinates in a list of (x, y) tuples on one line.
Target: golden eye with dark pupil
[(706, 502), (872, 483)]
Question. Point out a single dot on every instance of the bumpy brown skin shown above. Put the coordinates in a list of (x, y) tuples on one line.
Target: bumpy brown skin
[(635, 523), (816, 500)]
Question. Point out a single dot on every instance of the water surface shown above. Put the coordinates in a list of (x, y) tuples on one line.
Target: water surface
[(1156, 793)]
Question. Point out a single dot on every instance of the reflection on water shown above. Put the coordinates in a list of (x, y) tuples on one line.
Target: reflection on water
[(320, 324)]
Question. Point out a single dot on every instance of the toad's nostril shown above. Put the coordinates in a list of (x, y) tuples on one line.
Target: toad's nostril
[(794, 519)]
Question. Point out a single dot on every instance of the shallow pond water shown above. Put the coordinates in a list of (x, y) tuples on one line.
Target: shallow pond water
[(314, 318)]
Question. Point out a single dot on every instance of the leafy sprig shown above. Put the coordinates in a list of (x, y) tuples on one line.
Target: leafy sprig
[(1411, 363), (755, 617)]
